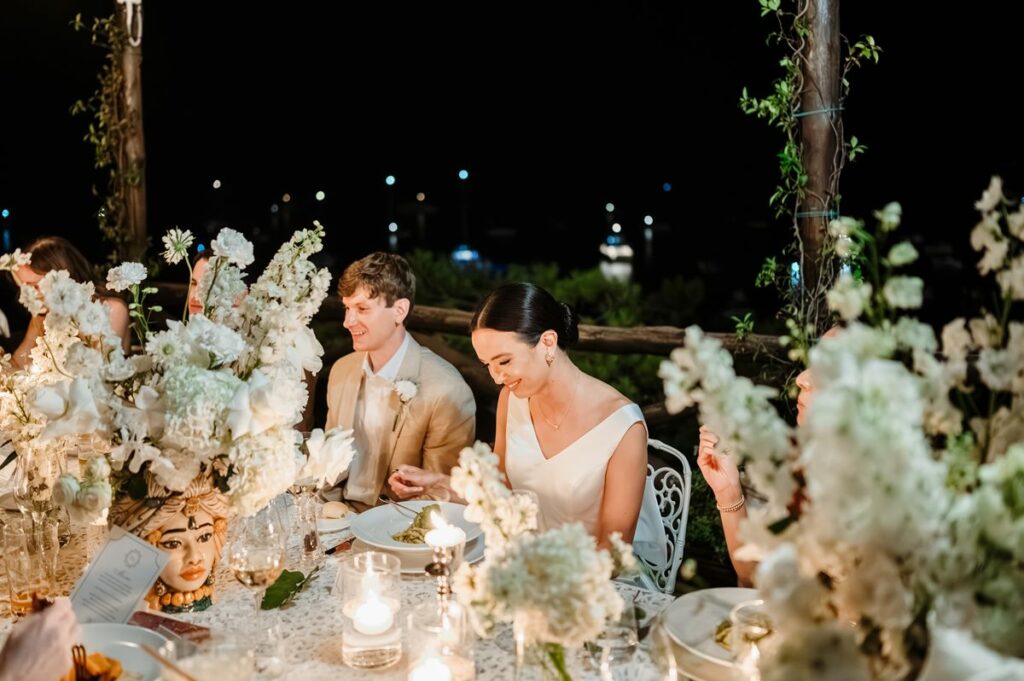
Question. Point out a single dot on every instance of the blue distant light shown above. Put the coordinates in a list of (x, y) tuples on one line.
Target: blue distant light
[(667, 187), (613, 239), (463, 254), (794, 274), (200, 248), (463, 174), (389, 180), (5, 213)]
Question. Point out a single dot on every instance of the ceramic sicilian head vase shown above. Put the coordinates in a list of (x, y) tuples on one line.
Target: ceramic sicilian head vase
[(191, 527)]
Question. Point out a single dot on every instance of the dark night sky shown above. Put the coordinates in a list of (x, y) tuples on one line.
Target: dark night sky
[(555, 108)]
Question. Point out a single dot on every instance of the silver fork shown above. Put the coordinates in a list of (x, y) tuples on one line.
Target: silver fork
[(404, 509)]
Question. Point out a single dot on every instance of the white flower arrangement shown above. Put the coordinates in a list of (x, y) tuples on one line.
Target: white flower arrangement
[(217, 396), (889, 501), (556, 585)]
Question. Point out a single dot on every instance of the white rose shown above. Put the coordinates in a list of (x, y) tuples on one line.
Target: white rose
[(93, 498), (97, 469), (65, 490)]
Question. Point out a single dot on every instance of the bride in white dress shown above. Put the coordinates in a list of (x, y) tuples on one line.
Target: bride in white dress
[(573, 440)]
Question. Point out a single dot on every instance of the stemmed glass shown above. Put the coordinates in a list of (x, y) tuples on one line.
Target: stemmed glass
[(256, 553)]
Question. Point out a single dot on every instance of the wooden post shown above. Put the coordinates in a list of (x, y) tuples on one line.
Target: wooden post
[(132, 155), (820, 133)]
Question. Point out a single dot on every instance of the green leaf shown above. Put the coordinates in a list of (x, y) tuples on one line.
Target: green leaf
[(284, 589)]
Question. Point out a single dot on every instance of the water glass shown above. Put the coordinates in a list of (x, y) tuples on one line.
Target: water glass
[(750, 638), (612, 651)]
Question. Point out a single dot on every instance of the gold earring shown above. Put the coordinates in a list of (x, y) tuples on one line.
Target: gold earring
[(549, 358)]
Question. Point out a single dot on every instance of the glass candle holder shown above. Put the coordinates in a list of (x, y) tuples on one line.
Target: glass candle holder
[(449, 544), (749, 638), (371, 600), (440, 643)]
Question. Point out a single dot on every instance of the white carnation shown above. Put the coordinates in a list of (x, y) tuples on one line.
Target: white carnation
[(125, 276), (233, 247)]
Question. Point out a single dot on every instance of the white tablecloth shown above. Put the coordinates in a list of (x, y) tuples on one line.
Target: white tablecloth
[(310, 627)]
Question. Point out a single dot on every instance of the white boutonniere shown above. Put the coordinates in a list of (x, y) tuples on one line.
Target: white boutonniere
[(406, 390)]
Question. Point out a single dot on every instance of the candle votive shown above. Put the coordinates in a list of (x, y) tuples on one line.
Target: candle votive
[(371, 599), (440, 643), (750, 638)]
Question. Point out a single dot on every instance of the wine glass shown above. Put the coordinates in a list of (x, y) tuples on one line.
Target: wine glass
[(256, 553)]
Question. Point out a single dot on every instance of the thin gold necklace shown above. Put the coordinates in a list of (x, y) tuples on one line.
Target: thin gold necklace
[(568, 408)]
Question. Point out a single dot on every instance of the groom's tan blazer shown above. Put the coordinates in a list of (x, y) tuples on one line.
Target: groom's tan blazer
[(429, 430)]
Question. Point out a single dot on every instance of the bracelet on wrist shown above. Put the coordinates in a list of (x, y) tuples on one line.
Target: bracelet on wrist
[(732, 507)]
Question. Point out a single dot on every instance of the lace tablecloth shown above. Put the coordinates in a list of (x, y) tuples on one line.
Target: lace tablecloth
[(309, 629)]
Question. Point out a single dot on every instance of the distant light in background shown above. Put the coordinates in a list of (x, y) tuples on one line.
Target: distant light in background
[(648, 220), (463, 254), (216, 184), (286, 198), (5, 213), (648, 233), (393, 227), (667, 187), (463, 174), (320, 196), (274, 208), (616, 228), (421, 197), (794, 274), (610, 207), (389, 180), (200, 248)]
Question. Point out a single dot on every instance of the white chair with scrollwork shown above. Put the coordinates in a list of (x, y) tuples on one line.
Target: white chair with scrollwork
[(672, 492)]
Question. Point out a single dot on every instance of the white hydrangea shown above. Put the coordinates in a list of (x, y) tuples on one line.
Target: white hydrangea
[(992, 197), (217, 342), (233, 247), (126, 275), (263, 466)]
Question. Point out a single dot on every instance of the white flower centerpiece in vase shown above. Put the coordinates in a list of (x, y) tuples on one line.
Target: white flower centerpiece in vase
[(896, 507), (554, 587), (199, 426)]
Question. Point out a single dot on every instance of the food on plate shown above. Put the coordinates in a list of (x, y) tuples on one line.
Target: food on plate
[(416, 533)]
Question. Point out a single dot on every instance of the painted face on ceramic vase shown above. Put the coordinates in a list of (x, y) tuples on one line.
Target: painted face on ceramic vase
[(189, 541), (371, 321), (513, 362), (805, 384), (195, 306)]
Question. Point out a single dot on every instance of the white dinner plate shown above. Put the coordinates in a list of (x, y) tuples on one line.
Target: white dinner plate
[(413, 563), (123, 642), (691, 620), (376, 526), (326, 525)]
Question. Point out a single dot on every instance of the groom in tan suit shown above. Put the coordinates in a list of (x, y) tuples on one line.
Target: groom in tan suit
[(405, 404)]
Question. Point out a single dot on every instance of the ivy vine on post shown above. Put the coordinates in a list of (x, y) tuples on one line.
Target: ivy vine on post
[(806, 105), (115, 130)]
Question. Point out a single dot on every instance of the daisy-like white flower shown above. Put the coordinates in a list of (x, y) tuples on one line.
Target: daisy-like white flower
[(176, 245)]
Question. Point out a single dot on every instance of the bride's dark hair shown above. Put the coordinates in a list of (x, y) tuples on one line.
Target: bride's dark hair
[(528, 310)]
